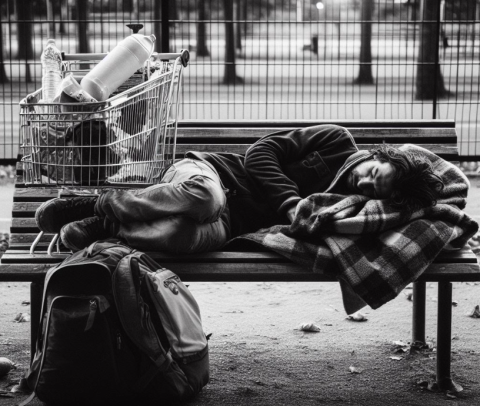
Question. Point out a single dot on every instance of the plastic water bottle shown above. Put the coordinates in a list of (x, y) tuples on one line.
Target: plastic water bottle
[(119, 64), (51, 70)]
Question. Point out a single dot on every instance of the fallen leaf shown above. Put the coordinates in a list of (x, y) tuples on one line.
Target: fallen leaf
[(26, 302), (355, 370), (396, 358), (475, 313), (454, 303), (356, 317), (400, 347), (310, 327), (22, 317), (409, 296)]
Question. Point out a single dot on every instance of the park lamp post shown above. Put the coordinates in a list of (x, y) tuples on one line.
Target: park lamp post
[(320, 6)]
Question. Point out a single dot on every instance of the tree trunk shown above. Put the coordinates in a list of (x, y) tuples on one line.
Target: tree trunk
[(82, 16), (202, 49), (3, 73), (25, 47), (230, 76), (429, 80), (365, 76), (238, 38), (51, 18), (62, 29), (157, 25)]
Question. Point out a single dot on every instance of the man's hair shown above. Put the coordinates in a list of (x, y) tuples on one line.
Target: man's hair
[(415, 185)]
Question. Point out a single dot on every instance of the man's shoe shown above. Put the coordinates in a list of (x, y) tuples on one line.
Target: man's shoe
[(80, 234), (52, 215)]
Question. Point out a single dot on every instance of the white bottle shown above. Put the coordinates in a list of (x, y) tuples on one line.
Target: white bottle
[(119, 64), (51, 70)]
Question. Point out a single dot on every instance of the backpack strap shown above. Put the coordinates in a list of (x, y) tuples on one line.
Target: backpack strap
[(27, 400)]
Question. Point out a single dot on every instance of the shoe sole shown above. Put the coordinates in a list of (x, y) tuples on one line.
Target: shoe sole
[(47, 227), (66, 242)]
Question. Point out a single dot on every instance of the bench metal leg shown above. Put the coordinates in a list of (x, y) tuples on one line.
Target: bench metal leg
[(36, 293), (444, 338), (418, 319)]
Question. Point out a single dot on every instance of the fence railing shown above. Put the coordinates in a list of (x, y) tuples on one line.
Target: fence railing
[(271, 59)]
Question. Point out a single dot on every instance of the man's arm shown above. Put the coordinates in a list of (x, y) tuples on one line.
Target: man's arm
[(267, 159)]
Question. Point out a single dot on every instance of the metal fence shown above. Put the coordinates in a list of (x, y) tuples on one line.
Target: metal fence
[(271, 59)]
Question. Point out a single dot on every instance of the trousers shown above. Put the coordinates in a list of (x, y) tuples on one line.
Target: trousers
[(186, 213)]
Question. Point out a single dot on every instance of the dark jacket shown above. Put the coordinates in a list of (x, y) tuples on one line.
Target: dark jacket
[(278, 171)]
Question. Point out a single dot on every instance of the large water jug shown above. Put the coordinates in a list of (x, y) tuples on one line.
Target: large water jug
[(51, 59), (119, 64)]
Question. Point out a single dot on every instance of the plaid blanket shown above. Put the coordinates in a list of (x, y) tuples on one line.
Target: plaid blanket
[(373, 248)]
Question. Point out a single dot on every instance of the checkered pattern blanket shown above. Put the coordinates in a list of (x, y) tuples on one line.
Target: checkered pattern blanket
[(376, 249)]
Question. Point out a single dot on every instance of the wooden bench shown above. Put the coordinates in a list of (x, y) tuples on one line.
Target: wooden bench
[(18, 264)]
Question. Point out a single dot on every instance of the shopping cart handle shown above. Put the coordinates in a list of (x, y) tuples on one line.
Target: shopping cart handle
[(185, 57), (83, 57)]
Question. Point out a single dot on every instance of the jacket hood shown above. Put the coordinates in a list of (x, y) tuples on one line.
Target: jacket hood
[(337, 186)]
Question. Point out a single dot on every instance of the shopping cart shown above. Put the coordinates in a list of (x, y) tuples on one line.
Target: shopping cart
[(126, 141)]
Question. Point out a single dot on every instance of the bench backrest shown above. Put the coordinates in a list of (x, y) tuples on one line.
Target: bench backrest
[(439, 136)]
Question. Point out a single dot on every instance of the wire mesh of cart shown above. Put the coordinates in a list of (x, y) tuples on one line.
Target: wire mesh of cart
[(127, 140)]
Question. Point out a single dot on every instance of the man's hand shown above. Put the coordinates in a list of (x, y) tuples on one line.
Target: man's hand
[(291, 213)]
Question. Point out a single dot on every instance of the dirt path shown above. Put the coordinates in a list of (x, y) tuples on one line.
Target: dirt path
[(259, 358)]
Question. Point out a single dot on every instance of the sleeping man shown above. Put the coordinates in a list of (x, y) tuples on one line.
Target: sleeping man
[(207, 199)]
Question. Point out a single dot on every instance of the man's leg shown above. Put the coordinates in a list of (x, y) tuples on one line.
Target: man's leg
[(189, 188), (187, 213)]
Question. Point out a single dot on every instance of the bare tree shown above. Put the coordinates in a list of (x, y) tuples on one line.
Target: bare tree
[(163, 13), (63, 16), (241, 9), (3, 73), (25, 24), (429, 81), (230, 77), (157, 25), (202, 49), (82, 17), (365, 76)]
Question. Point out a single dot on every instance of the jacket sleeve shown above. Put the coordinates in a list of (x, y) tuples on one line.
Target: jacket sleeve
[(266, 160)]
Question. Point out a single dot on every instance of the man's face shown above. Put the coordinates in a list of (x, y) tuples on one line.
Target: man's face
[(372, 178)]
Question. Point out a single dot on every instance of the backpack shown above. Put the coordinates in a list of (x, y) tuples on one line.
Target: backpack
[(117, 328)]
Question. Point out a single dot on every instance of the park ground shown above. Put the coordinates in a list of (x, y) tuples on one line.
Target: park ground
[(259, 356)]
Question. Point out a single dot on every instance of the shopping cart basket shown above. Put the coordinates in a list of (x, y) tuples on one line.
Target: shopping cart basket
[(127, 140)]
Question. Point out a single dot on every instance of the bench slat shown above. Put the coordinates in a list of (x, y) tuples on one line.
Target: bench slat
[(210, 134), (446, 151), (34, 194), (244, 272), (22, 255), (379, 123)]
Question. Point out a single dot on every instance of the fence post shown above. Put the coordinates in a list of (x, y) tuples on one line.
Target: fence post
[(437, 59), (165, 26)]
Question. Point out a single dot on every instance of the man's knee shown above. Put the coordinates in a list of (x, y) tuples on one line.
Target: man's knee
[(207, 196)]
